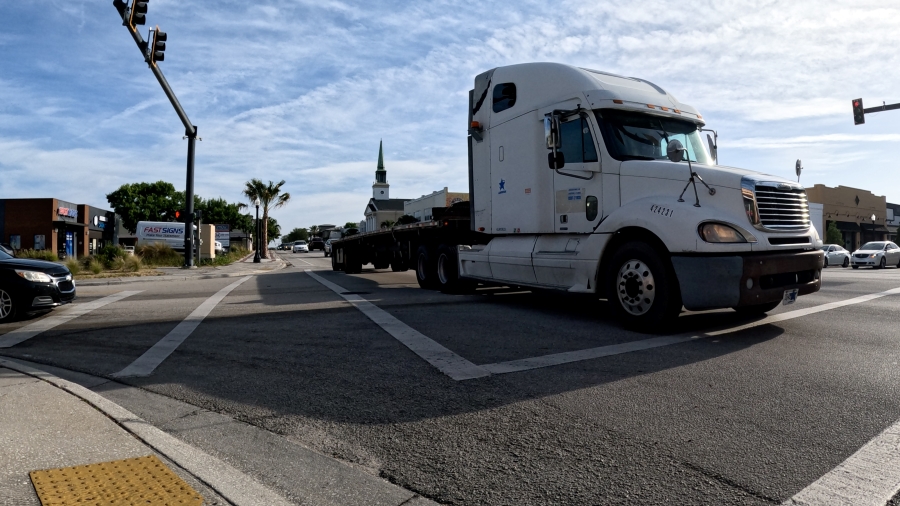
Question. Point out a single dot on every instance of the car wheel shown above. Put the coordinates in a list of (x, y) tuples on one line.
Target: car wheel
[(448, 272), (826, 261), (757, 309), (883, 263), (7, 306), (642, 287), (426, 268), (846, 263)]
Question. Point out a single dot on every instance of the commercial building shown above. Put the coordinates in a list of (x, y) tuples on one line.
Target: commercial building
[(381, 206), (893, 220), (422, 206), (65, 228), (860, 215)]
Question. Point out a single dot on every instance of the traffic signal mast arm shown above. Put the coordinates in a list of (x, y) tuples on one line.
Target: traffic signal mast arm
[(883, 107), (859, 113)]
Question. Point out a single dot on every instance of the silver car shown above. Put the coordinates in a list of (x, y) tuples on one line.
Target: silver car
[(836, 256), (876, 254), (327, 248)]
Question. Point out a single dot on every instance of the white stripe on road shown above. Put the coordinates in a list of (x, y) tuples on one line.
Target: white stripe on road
[(871, 476), (27, 332), (443, 359), (150, 360), (304, 261), (657, 342)]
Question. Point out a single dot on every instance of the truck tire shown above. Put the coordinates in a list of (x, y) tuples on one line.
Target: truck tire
[(334, 264), (757, 309), (642, 287), (448, 272), (352, 263), (398, 264), (381, 264), (426, 268), (8, 306)]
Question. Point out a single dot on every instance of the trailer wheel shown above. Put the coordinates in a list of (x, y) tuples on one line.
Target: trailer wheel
[(334, 264), (426, 268), (448, 272), (642, 287)]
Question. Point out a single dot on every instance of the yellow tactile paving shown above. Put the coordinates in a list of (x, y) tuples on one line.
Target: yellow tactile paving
[(144, 481)]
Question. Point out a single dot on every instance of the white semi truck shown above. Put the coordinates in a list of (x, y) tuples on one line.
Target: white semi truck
[(585, 181)]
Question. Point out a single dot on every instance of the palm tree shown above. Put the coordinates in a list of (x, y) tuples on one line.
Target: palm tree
[(313, 230), (270, 197), (387, 224)]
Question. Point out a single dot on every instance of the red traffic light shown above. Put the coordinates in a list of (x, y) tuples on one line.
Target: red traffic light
[(859, 114)]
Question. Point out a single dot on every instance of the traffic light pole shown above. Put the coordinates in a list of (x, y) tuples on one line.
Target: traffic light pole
[(190, 130), (859, 113)]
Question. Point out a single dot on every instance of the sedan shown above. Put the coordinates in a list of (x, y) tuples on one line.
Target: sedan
[(836, 255), (300, 246), (877, 254), (32, 285)]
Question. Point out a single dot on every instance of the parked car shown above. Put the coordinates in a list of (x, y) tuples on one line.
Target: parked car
[(219, 248), (836, 255), (6, 248), (876, 254), (316, 243), (300, 246), (32, 285), (327, 247)]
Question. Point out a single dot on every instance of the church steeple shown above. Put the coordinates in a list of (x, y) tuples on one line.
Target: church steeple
[(381, 187)]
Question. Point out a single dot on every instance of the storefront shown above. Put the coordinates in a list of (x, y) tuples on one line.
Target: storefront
[(859, 215), (70, 230)]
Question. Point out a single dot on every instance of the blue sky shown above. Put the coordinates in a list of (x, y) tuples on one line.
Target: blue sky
[(303, 90)]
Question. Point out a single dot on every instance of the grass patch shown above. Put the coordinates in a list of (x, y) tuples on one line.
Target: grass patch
[(38, 255), (236, 253)]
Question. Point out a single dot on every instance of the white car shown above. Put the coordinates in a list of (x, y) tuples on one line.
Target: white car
[(327, 248), (300, 247), (876, 254), (836, 256)]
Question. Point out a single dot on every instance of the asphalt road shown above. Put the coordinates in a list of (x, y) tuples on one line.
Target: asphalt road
[(751, 416)]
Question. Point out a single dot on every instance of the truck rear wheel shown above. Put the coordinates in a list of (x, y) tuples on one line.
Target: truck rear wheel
[(448, 272), (426, 268), (334, 264), (642, 287)]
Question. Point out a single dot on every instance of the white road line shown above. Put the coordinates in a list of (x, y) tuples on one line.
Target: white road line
[(150, 360), (657, 342), (25, 333), (304, 261), (440, 357), (871, 476)]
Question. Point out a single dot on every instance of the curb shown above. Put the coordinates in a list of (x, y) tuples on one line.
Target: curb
[(235, 486), (281, 264)]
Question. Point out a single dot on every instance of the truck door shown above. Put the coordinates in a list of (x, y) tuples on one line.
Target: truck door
[(577, 187)]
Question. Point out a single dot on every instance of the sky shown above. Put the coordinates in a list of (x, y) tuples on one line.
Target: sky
[(303, 90)]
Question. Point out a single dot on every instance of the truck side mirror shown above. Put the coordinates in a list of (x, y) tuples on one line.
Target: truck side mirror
[(675, 151), (556, 162), (713, 149)]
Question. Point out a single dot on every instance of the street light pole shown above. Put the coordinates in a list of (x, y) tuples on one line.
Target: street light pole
[(873, 217), (256, 258)]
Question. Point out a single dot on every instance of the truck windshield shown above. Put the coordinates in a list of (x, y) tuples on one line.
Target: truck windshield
[(638, 136)]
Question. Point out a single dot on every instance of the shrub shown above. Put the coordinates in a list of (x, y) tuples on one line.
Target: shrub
[(159, 254), (116, 264), (133, 263), (74, 266), (38, 255), (107, 253), (95, 266)]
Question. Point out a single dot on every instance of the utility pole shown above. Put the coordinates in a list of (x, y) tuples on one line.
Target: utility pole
[(859, 113), (134, 15)]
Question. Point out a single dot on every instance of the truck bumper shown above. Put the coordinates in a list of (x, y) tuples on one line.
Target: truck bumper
[(712, 282)]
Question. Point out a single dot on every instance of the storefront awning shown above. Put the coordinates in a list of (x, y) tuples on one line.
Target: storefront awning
[(868, 227), (847, 226)]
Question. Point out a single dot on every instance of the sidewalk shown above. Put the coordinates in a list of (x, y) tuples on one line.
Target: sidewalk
[(47, 422), (244, 267)]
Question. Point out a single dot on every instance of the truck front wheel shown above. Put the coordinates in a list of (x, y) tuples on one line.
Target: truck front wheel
[(426, 268), (642, 287), (448, 272)]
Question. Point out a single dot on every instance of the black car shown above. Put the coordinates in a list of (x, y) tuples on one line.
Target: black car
[(316, 243), (32, 285)]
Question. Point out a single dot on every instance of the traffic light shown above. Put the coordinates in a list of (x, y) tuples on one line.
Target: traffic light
[(859, 114), (158, 46), (121, 5), (138, 13), (181, 216)]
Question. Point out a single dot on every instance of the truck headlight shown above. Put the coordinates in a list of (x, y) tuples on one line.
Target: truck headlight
[(719, 233), (34, 276)]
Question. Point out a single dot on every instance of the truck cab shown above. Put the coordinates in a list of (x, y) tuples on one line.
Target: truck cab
[(585, 181)]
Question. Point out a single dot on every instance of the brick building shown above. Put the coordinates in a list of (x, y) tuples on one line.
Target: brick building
[(65, 228)]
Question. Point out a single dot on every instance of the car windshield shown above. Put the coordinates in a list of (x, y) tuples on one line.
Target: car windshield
[(4, 256), (638, 136), (873, 246)]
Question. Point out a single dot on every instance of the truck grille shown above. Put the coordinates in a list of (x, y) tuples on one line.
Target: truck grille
[(782, 207)]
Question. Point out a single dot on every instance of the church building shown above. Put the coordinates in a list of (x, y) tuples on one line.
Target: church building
[(381, 206)]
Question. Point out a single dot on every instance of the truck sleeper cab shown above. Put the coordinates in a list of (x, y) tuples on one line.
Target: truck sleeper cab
[(589, 182)]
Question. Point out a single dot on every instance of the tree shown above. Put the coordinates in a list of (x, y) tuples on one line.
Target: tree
[(833, 235), (298, 234), (274, 229), (219, 211), (314, 230), (387, 224), (145, 202), (406, 219), (351, 224), (270, 197)]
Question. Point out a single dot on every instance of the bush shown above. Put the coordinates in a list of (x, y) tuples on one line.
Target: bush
[(74, 266), (95, 266), (116, 264), (159, 254), (108, 253), (133, 263), (38, 255)]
